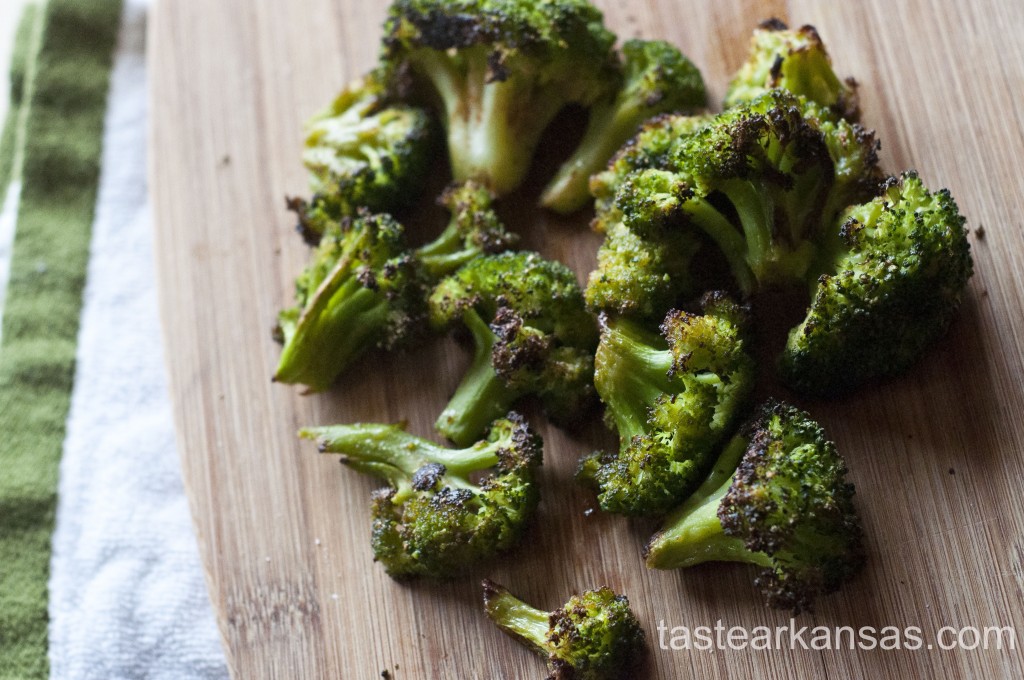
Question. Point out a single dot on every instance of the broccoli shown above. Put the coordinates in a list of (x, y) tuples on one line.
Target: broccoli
[(474, 230), (363, 288), (502, 70), (649, 148), (671, 400), (796, 61), (363, 151), (637, 276), (889, 286), (779, 166), (657, 78), (593, 636), (532, 335), (434, 520), (777, 498)]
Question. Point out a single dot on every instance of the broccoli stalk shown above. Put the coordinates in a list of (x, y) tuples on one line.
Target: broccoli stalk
[(361, 290), (777, 498), (671, 400), (657, 78), (594, 636), (502, 69), (434, 520), (531, 335)]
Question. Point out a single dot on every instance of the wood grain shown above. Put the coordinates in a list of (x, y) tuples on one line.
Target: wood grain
[(936, 454)]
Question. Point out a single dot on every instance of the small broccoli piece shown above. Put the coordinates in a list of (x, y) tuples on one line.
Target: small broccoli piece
[(640, 277), (531, 335), (502, 70), (779, 166), (657, 78), (671, 399), (363, 151), (796, 61), (649, 148), (362, 289), (434, 520), (893, 279), (594, 636), (778, 498), (474, 230)]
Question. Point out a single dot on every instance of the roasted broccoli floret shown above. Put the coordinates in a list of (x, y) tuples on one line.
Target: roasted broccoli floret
[(796, 61), (434, 519), (363, 151), (531, 335), (362, 289), (889, 285), (778, 498), (649, 148), (502, 70), (594, 636), (474, 230), (762, 180), (657, 78), (671, 398)]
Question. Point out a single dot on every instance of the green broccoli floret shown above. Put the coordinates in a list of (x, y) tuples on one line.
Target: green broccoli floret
[(649, 148), (796, 61), (761, 180), (778, 498), (640, 277), (434, 519), (531, 335), (474, 230), (502, 70), (890, 285), (362, 289), (671, 399), (363, 151), (594, 636), (657, 78)]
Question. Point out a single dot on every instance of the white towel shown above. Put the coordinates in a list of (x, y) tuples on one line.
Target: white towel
[(127, 594)]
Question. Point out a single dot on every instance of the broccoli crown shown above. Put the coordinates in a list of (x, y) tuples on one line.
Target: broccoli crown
[(778, 498), (897, 274), (502, 69), (362, 289), (657, 78), (433, 520), (532, 335), (474, 229), (594, 636), (761, 181), (363, 152), (671, 399), (796, 61), (640, 277), (648, 148)]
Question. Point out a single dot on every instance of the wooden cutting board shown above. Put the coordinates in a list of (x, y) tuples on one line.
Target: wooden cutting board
[(936, 455)]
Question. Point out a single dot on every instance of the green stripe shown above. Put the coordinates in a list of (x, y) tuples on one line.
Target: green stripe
[(60, 173), (26, 47)]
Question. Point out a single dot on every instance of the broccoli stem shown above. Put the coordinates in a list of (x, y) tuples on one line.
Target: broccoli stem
[(389, 452), (445, 254), (724, 234), (693, 534), (634, 374), (527, 624), (609, 126), (333, 331), (482, 396)]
